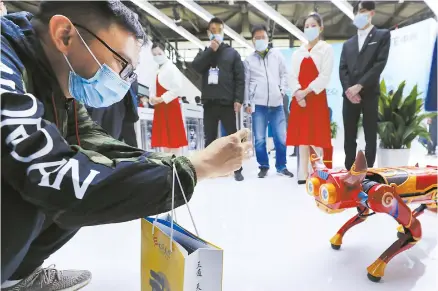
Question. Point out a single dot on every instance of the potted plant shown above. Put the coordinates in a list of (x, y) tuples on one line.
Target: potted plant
[(400, 123)]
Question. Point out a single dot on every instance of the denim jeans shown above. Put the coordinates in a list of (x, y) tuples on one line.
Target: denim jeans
[(260, 119)]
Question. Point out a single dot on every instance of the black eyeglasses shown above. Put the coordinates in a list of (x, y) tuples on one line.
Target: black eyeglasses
[(127, 73)]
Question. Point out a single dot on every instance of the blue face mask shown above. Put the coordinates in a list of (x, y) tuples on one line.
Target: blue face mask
[(261, 45), (102, 90), (218, 37), (361, 20), (311, 33)]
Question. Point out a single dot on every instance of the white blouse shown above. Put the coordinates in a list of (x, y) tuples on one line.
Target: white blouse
[(169, 78), (322, 55)]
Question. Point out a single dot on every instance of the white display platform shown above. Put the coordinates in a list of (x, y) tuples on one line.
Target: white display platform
[(193, 116), (193, 122)]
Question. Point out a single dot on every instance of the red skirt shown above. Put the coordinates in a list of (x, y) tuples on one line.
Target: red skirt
[(168, 129), (310, 125)]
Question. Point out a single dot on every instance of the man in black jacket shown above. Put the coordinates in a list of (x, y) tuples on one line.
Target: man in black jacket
[(223, 84), (59, 170), (363, 59)]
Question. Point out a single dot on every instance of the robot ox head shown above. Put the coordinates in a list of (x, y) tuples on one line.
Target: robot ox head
[(336, 190)]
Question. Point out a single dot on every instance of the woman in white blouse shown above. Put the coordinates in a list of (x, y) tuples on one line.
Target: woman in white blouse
[(168, 131), (309, 119)]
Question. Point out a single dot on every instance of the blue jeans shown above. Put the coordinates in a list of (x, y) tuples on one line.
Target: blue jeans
[(260, 119)]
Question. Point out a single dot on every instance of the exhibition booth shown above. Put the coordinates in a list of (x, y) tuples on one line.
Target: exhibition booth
[(409, 61)]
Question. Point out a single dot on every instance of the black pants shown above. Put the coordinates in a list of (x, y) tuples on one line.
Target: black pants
[(351, 114), (28, 237), (431, 145), (213, 113)]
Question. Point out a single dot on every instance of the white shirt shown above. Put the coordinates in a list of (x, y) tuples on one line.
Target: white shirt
[(362, 35), (169, 78), (322, 56)]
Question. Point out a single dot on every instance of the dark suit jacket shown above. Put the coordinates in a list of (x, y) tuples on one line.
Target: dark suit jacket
[(431, 97), (364, 67)]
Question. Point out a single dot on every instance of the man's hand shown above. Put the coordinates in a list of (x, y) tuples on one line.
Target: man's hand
[(237, 107), (214, 44), (223, 156), (353, 90), (248, 109), (302, 103), (355, 99), (155, 100)]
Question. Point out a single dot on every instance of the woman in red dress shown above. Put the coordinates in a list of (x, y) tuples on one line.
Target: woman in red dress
[(168, 130), (309, 119)]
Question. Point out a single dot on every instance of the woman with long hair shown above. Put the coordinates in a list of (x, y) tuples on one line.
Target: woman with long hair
[(168, 131), (309, 118)]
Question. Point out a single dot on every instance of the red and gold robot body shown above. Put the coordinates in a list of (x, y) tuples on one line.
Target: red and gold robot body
[(384, 190)]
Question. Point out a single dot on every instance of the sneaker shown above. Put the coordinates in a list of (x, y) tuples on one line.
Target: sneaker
[(301, 182), (285, 172), (238, 176), (263, 172), (50, 279)]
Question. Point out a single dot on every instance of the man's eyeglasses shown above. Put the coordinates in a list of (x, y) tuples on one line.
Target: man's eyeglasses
[(127, 73)]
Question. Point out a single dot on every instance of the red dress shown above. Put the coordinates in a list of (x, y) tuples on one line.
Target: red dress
[(309, 125), (168, 126)]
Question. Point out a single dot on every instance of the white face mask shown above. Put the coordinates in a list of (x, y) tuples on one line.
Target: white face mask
[(361, 20), (160, 59)]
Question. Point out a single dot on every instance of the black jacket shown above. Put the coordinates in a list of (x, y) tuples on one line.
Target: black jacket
[(58, 160), (119, 116), (365, 67), (231, 75)]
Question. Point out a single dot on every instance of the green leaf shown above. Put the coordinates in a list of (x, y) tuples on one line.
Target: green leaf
[(383, 87), (396, 99), (401, 118)]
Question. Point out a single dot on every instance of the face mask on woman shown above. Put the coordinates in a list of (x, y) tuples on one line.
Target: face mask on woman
[(312, 33), (160, 59)]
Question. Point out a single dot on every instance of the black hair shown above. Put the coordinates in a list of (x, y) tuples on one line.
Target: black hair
[(258, 27), (317, 17), (158, 44), (93, 14), (198, 99), (215, 20), (368, 5)]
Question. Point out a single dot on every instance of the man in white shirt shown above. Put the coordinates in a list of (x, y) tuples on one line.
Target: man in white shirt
[(363, 59)]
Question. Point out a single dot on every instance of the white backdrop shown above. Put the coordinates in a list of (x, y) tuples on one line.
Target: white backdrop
[(410, 56)]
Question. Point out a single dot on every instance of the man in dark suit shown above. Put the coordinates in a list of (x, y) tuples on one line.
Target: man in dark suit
[(363, 59)]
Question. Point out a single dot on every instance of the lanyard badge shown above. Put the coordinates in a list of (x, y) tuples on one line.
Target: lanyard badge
[(213, 76)]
